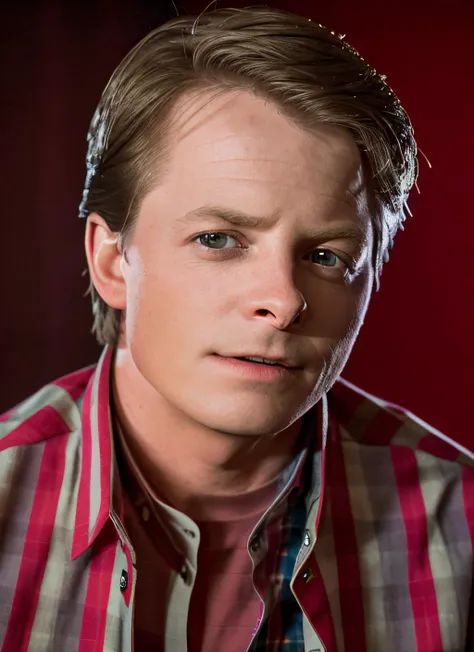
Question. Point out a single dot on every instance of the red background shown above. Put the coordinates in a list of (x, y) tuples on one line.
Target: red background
[(416, 347)]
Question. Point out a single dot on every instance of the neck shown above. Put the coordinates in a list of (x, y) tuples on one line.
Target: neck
[(184, 460)]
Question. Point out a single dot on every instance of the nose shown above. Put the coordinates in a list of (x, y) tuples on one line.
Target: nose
[(277, 300)]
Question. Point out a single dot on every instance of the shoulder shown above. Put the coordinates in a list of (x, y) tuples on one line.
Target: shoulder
[(40, 465), (372, 421), (51, 411)]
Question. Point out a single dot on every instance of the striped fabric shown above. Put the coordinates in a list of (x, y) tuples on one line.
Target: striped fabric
[(384, 563)]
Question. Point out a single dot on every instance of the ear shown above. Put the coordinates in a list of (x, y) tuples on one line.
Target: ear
[(104, 261)]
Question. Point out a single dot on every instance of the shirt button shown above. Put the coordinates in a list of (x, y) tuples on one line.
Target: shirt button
[(184, 573), (145, 513), (123, 580), (255, 544), (307, 538), (307, 575), (190, 533)]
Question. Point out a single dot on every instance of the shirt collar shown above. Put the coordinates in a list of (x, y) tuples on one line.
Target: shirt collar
[(96, 475)]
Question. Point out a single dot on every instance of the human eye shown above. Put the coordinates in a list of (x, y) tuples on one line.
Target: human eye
[(327, 258), (215, 240), (333, 262)]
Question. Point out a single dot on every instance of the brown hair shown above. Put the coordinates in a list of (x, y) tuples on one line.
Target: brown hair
[(310, 73)]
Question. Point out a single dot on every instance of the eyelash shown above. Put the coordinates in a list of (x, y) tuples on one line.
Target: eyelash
[(348, 265)]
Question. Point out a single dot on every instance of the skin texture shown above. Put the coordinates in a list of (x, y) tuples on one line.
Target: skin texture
[(195, 426)]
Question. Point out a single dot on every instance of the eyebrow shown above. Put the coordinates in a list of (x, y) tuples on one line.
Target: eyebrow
[(244, 220)]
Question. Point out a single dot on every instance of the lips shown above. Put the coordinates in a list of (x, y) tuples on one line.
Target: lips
[(255, 372), (273, 361)]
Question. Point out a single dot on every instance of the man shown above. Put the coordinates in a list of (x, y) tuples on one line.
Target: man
[(212, 484)]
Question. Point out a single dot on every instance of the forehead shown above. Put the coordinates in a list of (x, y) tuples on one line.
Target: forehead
[(235, 142), (210, 119)]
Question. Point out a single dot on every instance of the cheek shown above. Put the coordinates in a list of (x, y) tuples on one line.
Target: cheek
[(157, 328), (152, 300), (165, 303), (352, 310), (357, 305), (337, 311)]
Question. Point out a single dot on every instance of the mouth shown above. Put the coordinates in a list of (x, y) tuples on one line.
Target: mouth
[(256, 360), (270, 362), (258, 369)]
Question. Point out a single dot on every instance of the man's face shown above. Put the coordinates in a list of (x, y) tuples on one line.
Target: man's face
[(200, 289)]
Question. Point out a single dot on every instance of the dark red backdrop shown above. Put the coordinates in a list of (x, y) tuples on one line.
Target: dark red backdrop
[(416, 347)]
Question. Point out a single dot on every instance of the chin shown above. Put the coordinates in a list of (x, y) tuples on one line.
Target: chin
[(251, 418), (239, 428)]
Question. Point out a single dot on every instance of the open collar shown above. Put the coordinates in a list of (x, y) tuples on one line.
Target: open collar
[(99, 490)]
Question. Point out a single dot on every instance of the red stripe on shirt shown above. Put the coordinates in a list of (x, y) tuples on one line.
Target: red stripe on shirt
[(94, 618), (345, 545), (43, 424), (75, 384), (81, 527), (36, 547), (315, 604), (381, 429), (420, 577), (438, 447)]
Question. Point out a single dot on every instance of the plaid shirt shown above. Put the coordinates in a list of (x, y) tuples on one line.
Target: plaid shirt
[(383, 560)]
